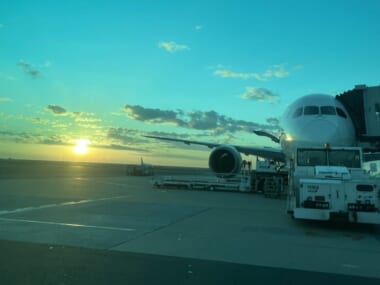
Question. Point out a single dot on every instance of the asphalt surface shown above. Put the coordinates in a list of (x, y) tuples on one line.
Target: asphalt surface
[(30, 263), (66, 224)]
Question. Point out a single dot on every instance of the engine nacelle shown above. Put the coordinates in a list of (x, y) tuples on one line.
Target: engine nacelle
[(225, 159)]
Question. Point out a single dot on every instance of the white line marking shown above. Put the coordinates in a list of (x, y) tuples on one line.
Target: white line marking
[(68, 225), (71, 203), (351, 266), (101, 182)]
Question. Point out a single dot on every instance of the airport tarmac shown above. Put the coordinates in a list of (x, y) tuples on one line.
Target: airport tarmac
[(77, 227)]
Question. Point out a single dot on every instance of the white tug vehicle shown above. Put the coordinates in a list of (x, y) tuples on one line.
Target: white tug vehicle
[(329, 183)]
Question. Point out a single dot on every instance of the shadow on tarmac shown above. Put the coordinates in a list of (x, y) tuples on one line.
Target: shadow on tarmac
[(28, 263)]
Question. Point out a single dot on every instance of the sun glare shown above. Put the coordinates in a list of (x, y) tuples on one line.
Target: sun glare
[(81, 146)]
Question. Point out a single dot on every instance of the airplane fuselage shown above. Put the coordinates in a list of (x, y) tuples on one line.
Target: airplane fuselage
[(315, 120), (312, 120)]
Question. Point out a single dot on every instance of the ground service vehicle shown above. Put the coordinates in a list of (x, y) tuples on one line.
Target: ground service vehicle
[(329, 183)]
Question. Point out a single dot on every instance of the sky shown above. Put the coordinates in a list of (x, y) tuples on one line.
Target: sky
[(86, 80)]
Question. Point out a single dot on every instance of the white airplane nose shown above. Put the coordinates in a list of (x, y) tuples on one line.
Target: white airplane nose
[(321, 132)]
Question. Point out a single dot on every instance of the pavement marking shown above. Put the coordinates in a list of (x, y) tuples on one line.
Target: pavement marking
[(101, 182), (70, 203), (350, 266), (68, 225)]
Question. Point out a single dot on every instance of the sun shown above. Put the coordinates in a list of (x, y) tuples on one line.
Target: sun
[(81, 146)]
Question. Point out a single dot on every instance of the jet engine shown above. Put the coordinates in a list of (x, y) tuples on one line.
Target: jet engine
[(225, 160)]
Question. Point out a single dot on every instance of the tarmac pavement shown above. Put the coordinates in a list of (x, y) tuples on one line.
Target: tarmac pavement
[(71, 229)]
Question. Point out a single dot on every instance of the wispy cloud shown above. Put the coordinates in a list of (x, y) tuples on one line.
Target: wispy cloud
[(39, 120), (122, 147), (33, 138), (226, 73), (29, 69), (46, 64), (80, 117), (196, 120), (83, 118), (277, 71), (273, 121), (54, 140), (124, 136), (7, 77), (140, 113), (66, 140), (173, 46), (198, 27), (5, 99), (261, 94), (32, 70), (57, 110), (298, 67)]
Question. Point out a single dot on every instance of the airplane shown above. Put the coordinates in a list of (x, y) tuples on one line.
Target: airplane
[(144, 169), (311, 120)]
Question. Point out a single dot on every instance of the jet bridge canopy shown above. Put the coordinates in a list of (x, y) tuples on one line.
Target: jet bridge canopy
[(363, 105)]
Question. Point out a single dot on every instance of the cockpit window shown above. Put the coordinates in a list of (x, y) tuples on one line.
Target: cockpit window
[(311, 110), (328, 110), (341, 113), (297, 113)]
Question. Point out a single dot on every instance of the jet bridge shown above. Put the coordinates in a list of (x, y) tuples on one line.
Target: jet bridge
[(363, 105)]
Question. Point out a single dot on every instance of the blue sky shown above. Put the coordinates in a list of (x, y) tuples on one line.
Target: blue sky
[(108, 72)]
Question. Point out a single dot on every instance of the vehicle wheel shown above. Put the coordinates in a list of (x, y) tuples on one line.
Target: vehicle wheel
[(291, 213)]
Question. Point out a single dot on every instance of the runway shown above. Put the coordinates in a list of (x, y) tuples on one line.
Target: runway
[(95, 230)]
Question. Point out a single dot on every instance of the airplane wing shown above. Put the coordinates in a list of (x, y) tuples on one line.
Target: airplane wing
[(264, 152), (266, 134)]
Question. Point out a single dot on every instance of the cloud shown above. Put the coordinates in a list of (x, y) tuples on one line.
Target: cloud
[(170, 134), (124, 136), (53, 140), (57, 110), (172, 46), (198, 27), (7, 77), (226, 73), (298, 67), (262, 94), (39, 120), (29, 69), (196, 120), (84, 117), (66, 140), (124, 139), (33, 138), (140, 113), (46, 64), (273, 121), (203, 120), (278, 71), (5, 99), (122, 147), (80, 117)]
